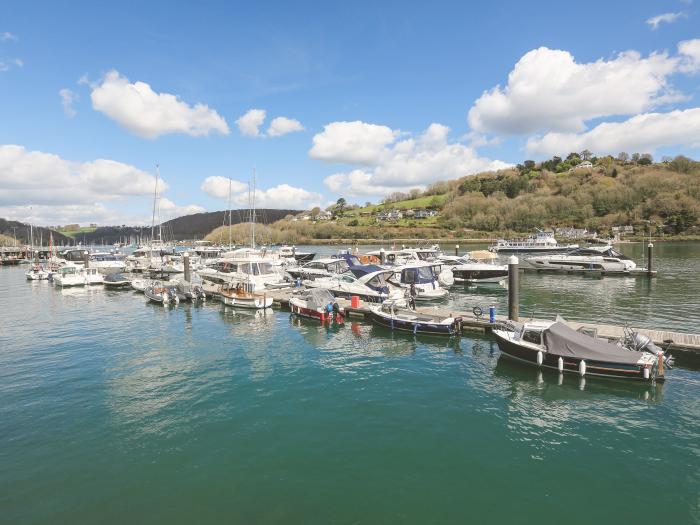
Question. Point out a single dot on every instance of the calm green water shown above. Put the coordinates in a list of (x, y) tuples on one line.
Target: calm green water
[(116, 411)]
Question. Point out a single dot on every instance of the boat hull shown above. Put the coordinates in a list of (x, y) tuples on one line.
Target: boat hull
[(310, 313), (252, 303), (401, 325), (571, 365), (480, 276)]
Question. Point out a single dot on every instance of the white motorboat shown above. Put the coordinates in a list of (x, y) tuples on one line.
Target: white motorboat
[(595, 258), (69, 275), (372, 287), (292, 253), (240, 297), (468, 269), (406, 255), (140, 285), (541, 242), (37, 273), (93, 276), (108, 263), (319, 268), (426, 278), (258, 274)]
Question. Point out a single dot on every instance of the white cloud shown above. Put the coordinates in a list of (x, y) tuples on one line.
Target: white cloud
[(641, 133), (282, 196), (352, 142), (7, 37), (48, 189), (548, 90), (395, 165), (249, 123), (690, 52), (169, 209), (218, 187), (68, 98), (283, 125), (6, 66), (149, 114), (667, 18)]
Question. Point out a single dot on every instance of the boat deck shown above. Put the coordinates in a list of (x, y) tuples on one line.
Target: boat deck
[(681, 340)]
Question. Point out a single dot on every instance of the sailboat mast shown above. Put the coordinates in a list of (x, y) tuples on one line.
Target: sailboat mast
[(252, 243), (155, 196), (229, 213), (160, 222)]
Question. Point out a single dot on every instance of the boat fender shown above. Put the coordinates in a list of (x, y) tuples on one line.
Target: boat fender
[(560, 365), (582, 368), (540, 358), (646, 372), (415, 328)]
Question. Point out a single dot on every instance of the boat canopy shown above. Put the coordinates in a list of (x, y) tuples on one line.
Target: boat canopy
[(318, 298), (561, 340)]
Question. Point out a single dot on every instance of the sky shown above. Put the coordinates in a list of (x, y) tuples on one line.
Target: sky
[(322, 99)]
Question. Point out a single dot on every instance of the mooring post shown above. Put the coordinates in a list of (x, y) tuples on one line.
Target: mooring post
[(513, 292), (86, 258), (456, 250), (294, 251), (650, 259), (186, 263), (382, 256)]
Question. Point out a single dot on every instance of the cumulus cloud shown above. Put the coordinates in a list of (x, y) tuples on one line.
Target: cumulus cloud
[(352, 143), (8, 37), (282, 196), (7, 65), (392, 164), (548, 90), (169, 209), (217, 186), (68, 98), (667, 18), (283, 125), (59, 190), (250, 122), (643, 133), (690, 53), (149, 114)]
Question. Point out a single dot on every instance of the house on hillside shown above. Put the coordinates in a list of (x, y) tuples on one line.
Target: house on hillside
[(586, 164), (572, 233), (623, 230), (324, 216), (409, 213), (395, 215), (424, 214)]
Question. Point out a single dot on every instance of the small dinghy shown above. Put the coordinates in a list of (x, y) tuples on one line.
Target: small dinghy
[(391, 315), (238, 296), (117, 280), (557, 346), (317, 303), (159, 293), (141, 284), (187, 291)]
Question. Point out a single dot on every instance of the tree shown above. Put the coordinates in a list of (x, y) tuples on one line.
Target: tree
[(636, 157), (681, 164), (623, 157), (340, 206), (414, 193), (586, 155), (646, 159), (529, 165), (315, 211)]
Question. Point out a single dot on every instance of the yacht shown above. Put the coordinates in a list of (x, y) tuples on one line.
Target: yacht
[(541, 242), (293, 253), (319, 268), (371, 287), (108, 263), (467, 269), (257, 273), (600, 258), (426, 278), (406, 255)]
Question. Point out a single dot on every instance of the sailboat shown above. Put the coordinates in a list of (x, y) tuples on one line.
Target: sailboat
[(37, 271)]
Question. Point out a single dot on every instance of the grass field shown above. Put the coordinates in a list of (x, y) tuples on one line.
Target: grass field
[(432, 201), (75, 233)]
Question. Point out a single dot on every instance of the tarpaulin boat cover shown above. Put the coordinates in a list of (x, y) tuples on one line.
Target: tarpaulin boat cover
[(561, 340), (318, 298)]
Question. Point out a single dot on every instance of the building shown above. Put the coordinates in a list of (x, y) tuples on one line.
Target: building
[(424, 214), (72, 227), (324, 216), (623, 230), (586, 165)]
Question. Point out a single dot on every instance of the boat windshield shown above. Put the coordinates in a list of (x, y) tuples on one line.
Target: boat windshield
[(421, 274)]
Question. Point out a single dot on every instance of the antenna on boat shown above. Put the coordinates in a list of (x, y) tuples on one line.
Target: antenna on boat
[(155, 197), (229, 213)]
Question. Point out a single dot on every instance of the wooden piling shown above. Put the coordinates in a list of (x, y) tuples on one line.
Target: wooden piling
[(186, 263), (513, 290), (650, 259)]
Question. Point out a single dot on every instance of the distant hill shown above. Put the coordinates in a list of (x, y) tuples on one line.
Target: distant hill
[(195, 226), (11, 228)]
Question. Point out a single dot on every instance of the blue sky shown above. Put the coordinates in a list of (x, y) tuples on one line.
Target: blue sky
[(390, 96)]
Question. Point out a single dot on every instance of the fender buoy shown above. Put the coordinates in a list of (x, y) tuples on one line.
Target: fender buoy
[(560, 364), (540, 358), (582, 368)]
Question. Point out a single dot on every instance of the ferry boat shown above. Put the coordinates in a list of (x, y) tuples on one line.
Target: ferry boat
[(541, 242), (555, 345), (601, 258)]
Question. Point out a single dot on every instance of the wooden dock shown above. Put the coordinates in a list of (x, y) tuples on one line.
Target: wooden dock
[(470, 322)]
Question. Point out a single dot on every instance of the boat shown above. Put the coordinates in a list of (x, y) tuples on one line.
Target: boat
[(69, 275), (140, 284), (258, 274), (406, 255), (117, 280), (189, 291), (390, 315), (427, 280), (467, 269), (595, 258), (93, 276), (325, 267), (108, 263), (555, 345), (541, 242), (370, 287), (36, 273), (162, 294), (293, 253), (238, 296), (317, 303)]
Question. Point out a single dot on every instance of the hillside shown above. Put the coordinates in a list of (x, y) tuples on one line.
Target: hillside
[(653, 198), (10, 229)]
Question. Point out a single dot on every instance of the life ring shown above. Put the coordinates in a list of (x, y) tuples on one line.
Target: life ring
[(478, 312)]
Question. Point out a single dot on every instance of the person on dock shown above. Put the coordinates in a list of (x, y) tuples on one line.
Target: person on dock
[(412, 296)]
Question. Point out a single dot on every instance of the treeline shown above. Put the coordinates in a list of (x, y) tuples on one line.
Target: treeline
[(20, 231), (664, 197)]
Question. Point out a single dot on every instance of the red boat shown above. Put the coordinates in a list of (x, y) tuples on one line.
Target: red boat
[(318, 304)]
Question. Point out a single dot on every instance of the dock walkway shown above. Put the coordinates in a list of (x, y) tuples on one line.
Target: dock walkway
[(470, 322)]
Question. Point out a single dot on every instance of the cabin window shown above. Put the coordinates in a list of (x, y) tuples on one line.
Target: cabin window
[(532, 336), (410, 276)]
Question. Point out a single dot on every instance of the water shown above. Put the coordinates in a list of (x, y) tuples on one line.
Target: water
[(113, 410)]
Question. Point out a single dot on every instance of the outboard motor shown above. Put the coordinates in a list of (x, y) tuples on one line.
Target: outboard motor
[(643, 343)]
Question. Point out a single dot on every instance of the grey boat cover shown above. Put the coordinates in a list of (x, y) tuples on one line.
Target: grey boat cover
[(561, 340), (318, 298)]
